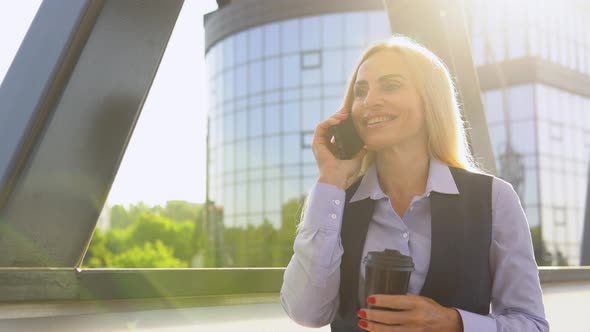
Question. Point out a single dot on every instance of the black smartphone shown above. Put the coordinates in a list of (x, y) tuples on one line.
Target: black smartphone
[(347, 139)]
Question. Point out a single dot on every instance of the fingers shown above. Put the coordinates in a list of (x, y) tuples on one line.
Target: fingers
[(322, 133), (361, 154), (402, 302), (378, 327), (388, 317)]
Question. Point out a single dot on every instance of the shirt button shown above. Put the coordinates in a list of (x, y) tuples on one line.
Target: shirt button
[(405, 235), (337, 202), (333, 216)]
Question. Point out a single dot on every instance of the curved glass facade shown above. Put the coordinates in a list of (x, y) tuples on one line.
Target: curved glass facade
[(270, 86)]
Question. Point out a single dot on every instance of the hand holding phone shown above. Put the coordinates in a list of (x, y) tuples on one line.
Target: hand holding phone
[(334, 169), (347, 139)]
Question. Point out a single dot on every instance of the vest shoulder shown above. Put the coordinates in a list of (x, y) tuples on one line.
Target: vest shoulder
[(471, 174)]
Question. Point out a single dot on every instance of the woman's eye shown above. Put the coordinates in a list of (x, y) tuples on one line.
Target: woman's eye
[(360, 92), (391, 87)]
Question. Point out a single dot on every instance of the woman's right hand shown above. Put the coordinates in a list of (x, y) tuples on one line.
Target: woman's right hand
[(333, 170)]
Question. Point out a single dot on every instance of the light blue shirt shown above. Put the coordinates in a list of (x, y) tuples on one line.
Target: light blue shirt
[(312, 279)]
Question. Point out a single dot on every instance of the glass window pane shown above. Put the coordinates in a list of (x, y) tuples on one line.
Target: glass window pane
[(351, 60), (271, 74), (516, 42), (291, 117), (272, 43), (355, 29), (333, 67), (256, 122), (521, 102), (290, 189), (332, 30), (311, 59), (228, 85), (272, 156), (255, 77), (241, 48), (241, 198), (241, 81), (311, 77), (493, 107), (272, 117), (331, 106), (311, 33), (291, 171), (228, 158), (523, 137), (311, 92), (255, 43), (241, 155), (531, 190), (290, 36), (311, 114), (228, 53), (272, 195), (378, 26), (256, 152), (228, 127), (229, 207), (241, 125), (291, 71), (291, 149), (256, 198)]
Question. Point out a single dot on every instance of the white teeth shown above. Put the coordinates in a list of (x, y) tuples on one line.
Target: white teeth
[(378, 119)]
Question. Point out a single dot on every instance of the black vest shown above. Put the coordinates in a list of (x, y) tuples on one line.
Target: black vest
[(459, 272)]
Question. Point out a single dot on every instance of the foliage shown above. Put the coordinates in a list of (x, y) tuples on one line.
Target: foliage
[(151, 255), (177, 236)]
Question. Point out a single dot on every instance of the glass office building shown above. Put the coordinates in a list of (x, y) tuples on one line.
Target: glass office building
[(273, 78)]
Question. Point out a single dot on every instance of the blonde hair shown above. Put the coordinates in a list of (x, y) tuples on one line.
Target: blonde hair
[(447, 140)]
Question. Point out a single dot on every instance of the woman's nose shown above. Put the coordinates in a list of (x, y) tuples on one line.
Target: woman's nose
[(373, 98)]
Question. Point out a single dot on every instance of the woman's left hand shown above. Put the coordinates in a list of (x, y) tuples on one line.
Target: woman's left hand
[(418, 314)]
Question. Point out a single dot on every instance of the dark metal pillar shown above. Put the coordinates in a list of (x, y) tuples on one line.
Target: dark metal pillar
[(68, 106)]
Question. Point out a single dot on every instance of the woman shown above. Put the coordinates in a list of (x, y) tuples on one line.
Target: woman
[(413, 188)]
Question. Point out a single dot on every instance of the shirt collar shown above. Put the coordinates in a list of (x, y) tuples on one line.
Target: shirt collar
[(439, 180)]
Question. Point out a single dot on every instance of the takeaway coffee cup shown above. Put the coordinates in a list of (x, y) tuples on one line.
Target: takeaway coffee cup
[(387, 272)]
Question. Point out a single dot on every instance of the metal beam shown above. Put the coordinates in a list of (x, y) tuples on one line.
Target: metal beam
[(82, 96), (440, 26)]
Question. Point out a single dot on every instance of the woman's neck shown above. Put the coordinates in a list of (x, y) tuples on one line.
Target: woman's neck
[(403, 174)]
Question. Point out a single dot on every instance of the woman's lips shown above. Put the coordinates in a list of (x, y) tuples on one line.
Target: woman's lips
[(379, 121)]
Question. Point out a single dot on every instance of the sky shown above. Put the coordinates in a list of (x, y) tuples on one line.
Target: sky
[(165, 159)]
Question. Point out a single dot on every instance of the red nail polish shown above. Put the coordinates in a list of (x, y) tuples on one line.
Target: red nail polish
[(362, 314), (371, 300), (363, 324)]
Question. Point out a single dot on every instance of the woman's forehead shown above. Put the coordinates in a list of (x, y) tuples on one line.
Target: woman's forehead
[(386, 62)]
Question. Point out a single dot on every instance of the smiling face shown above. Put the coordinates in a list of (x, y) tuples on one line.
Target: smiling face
[(387, 109)]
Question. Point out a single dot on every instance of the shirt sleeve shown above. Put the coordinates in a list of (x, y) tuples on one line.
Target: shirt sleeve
[(309, 294), (517, 299)]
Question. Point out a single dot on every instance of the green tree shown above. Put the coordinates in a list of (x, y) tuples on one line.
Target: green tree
[(150, 255), (542, 255), (98, 255), (175, 235), (141, 227), (291, 216), (120, 217)]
